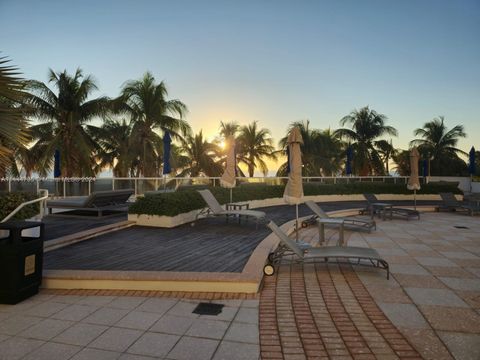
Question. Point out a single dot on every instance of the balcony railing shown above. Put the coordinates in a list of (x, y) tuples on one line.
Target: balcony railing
[(65, 187)]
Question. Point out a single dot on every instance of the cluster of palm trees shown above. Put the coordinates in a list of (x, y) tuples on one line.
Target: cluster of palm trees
[(129, 139)]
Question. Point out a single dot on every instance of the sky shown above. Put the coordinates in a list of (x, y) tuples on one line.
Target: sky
[(267, 60)]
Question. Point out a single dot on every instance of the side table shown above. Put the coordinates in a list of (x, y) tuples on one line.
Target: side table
[(232, 206)]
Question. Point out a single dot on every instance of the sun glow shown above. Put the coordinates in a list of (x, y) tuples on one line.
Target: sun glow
[(222, 145)]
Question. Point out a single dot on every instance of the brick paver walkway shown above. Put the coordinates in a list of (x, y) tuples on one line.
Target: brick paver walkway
[(323, 311)]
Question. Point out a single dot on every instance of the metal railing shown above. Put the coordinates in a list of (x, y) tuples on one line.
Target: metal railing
[(42, 200), (65, 187)]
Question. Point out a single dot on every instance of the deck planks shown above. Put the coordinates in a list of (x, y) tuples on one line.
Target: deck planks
[(211, 245)]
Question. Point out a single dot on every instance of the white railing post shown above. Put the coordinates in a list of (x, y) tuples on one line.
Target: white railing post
[(113, 183), (135, 186), (9, 185), (89, 187), (64, 187), (19, 207)]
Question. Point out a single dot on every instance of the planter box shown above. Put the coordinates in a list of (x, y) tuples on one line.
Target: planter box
[(162, 220), (180, 219)]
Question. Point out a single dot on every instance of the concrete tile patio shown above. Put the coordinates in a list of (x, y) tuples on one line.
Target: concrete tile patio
[(430, 308), (120, 328)]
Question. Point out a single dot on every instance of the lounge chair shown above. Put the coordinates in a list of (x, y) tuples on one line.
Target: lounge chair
[(350, 223), (450, 203), (215, 209), (375, 206), (97, 201), (305, 253)]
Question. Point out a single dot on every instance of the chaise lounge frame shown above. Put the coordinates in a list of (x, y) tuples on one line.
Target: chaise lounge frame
[(349, 223), (450, 203), (97, 201), (372, 200), (304, 253), (215, 209)]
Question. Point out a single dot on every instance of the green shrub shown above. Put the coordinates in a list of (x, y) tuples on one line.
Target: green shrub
[(171, 204), (10, 201)]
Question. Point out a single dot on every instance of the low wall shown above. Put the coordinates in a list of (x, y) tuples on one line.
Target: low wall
[(180, 219)]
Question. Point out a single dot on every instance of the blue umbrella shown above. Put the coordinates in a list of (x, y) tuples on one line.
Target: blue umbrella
[(425, 167), (471, 161), (56, 167), (167, 140), (348, 165)]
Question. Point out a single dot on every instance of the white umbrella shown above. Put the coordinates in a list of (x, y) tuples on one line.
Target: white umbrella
[(293, 193), (228, 179), (413, 180)]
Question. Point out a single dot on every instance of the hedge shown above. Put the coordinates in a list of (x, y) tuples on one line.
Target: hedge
[(171, 204), (10, 201)]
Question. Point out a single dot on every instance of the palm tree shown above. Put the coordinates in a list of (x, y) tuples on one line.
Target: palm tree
[(253, 146), (387, 151), (402, 161), (64, 118), (229, 129), (114, 140), (439, 144), (201, 156), (13, 133), (367, 127), (321, 150), (145, 102)]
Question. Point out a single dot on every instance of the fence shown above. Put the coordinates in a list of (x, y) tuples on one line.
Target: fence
[(64, 187)]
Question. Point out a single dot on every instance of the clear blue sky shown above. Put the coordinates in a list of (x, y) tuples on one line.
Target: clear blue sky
[(272, 61)]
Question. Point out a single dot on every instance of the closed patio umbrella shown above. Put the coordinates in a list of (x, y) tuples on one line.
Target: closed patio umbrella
[(471, 165), (167, 141), (228, 179), (471, 161), (348, 165), (413, 181), (293, 193), (57, 172)]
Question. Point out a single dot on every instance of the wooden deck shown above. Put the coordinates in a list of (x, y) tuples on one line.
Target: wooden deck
[(58, 226), (210, 246)]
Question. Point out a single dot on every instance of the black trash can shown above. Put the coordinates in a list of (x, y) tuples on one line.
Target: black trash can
[(21, 261)]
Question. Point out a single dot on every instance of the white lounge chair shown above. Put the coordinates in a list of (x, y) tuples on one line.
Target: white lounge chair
[(350, 223), (305, 254), (215, 209)]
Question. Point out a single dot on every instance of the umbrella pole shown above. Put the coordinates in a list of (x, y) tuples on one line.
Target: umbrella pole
[(415, 199), (296, 222)]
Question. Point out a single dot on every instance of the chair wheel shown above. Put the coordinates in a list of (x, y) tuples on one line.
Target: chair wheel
[(268, 270)]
